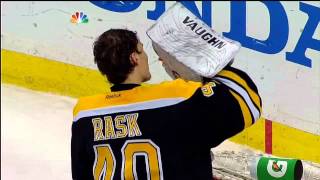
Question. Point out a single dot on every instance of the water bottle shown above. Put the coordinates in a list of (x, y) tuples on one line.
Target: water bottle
[(271, 168), (249, 165)]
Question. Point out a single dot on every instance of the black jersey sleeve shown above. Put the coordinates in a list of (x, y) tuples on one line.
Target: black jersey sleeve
[(223, 107), (79, 157)]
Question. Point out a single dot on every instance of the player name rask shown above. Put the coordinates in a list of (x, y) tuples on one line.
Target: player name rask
[(120, 126)]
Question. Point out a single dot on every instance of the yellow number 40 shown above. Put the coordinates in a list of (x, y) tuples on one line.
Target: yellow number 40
[(105, 162)]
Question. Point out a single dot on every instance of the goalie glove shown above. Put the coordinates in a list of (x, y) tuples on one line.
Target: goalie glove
[(188, 47)]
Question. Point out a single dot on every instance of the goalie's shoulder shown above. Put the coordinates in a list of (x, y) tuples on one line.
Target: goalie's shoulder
[(87, 102), (174, 88), (177, 90)]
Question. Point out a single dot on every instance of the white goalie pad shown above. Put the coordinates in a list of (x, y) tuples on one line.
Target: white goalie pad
[(188, 46)]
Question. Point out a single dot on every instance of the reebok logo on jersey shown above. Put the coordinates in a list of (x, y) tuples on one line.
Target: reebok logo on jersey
[(109, 96)]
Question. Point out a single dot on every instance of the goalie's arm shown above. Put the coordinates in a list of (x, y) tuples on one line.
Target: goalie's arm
[(244, 90), (80, 168), (225, 106)]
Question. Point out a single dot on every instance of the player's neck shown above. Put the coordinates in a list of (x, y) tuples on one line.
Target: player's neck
[(133, 78)]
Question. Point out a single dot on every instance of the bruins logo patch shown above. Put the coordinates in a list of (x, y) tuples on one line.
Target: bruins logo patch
[(207, 89)]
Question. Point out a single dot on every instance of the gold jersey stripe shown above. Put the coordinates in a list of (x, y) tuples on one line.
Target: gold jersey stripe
[(169, 89), (233, 76), (244, 109)]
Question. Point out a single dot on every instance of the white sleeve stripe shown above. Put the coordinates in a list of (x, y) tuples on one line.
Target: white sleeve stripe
[(129, 107), (243, 93)]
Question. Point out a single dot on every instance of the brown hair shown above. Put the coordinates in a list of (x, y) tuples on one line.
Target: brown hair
[(112, 51)]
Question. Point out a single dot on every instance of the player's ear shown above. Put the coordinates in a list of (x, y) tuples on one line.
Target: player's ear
[(134, 58)]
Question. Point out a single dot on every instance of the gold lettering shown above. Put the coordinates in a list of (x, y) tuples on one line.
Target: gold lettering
[(97, 129), (109, 128), (133, 125), (122, 128)]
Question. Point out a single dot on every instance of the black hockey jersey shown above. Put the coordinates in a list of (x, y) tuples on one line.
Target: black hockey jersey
[(162, 131)]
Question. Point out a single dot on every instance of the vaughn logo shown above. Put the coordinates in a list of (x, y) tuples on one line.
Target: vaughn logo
[(277, 168), (205, 35)]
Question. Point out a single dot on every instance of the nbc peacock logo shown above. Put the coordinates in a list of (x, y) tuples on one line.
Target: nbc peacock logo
[(79, 17)]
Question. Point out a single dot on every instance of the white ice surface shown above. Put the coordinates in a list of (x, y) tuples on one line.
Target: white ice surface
[(35, 134)]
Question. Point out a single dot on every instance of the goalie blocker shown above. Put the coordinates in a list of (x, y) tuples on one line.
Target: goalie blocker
[(189, 47)]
